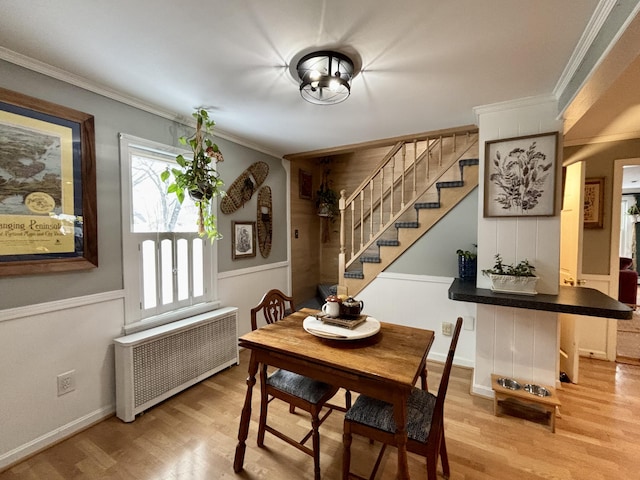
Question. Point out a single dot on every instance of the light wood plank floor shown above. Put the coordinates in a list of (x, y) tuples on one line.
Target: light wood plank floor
[(193, 436)]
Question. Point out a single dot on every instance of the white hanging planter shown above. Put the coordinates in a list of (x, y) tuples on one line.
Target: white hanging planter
[(513, 284)]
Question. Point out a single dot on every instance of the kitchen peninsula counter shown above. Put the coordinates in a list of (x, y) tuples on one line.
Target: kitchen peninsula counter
[(573, 300)]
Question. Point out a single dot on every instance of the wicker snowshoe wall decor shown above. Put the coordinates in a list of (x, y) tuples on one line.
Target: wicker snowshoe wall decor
[(264, 221), (243, 187)]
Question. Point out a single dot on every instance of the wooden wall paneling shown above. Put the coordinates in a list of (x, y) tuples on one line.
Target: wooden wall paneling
[(485, 348), (524, 343), (505, 337), (545, 355), (305, 250)]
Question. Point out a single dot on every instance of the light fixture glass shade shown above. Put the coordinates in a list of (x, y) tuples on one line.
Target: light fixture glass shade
[(325, 77)]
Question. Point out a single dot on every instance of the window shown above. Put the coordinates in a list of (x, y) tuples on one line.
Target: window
[(168, 268)]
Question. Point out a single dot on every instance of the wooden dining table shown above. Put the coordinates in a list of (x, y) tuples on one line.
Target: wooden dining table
[(384, 366)]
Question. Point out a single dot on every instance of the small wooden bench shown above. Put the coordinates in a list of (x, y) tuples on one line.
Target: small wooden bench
[(548, 404)]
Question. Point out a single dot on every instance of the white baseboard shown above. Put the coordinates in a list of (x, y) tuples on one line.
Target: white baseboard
[(598, 355), (482, 391), (55, 436)]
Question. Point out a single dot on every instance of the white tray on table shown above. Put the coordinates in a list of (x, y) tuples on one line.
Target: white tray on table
[(316, 327)]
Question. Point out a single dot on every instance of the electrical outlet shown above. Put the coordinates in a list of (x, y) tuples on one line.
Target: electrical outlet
[(447, 329), (66, 382)]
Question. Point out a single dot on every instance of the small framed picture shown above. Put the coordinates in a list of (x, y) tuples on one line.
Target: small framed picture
[(520, 176), (243, 239), (305, 181), (593, 202)]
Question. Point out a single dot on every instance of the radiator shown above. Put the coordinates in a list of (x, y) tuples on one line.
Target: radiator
[(157, 363)]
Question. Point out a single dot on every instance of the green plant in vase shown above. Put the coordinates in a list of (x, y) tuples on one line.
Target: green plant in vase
[(198, 176), (507, 278), (467, 264)]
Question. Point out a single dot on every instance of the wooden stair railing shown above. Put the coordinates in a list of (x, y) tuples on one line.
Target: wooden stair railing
[(390, 199)]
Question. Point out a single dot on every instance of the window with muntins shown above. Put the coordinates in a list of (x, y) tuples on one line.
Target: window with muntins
[(167, 266)]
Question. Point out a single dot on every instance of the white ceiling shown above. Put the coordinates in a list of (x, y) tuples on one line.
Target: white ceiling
[(426, 63)]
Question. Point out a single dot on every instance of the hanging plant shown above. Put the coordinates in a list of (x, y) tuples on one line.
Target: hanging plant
[(327, 198), (198, 177)]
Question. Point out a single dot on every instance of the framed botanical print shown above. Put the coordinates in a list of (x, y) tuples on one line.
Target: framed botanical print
[(520, 176)]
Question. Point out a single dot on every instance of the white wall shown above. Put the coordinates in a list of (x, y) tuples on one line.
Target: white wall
[(422, 301), (511, 341)]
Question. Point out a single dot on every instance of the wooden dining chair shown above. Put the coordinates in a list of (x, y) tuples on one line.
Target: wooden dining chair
[(374, 419), (297, 390)]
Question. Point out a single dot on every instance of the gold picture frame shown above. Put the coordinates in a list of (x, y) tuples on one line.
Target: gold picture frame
[(594, 203), (48, 220)]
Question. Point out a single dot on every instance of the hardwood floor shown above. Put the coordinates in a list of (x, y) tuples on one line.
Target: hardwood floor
[(193, 436)]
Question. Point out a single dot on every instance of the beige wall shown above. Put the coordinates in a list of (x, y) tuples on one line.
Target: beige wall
[(599, 159), (305, 262)]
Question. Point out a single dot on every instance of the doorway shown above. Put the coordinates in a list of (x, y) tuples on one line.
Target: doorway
[(623, 236)]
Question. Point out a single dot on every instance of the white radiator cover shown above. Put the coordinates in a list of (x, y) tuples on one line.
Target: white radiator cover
[(157, 363)]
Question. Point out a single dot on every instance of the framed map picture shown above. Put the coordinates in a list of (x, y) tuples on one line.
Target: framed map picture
[(47, 187)]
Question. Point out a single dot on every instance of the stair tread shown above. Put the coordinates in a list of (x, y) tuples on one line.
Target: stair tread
[(420, 205)]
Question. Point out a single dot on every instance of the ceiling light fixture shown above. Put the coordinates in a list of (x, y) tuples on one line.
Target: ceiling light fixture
[(325, 77)]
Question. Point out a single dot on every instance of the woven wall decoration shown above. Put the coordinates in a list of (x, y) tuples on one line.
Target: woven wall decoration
[(243, 187), (265, 221)]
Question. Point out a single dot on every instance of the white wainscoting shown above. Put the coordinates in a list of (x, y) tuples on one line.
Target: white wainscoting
[(245, 288), (597, 336), (40, 342), (515, 342)]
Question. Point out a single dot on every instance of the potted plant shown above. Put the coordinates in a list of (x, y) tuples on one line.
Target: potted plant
[(326, 197), (512, 279), (198, 176), (467, 264)]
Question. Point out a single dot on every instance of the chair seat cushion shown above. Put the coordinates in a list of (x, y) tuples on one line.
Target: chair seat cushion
[(294, 384), (378, 414)]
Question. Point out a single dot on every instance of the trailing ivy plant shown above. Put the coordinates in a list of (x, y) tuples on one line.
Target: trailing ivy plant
[(198, 176)]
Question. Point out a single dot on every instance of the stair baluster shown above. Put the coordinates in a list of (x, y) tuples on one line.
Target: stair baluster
[(424, 180)]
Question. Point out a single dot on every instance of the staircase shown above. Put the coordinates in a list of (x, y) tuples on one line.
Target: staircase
[(413, 187)]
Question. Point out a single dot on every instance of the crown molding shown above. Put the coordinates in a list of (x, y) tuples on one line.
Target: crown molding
[(94, 87), (513, 105), (78, 81), (602, 11)]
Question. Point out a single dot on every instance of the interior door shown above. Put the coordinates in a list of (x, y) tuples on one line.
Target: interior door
[(570, 263)]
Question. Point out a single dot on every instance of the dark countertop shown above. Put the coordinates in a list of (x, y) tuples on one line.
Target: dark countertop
[(575, 300)]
